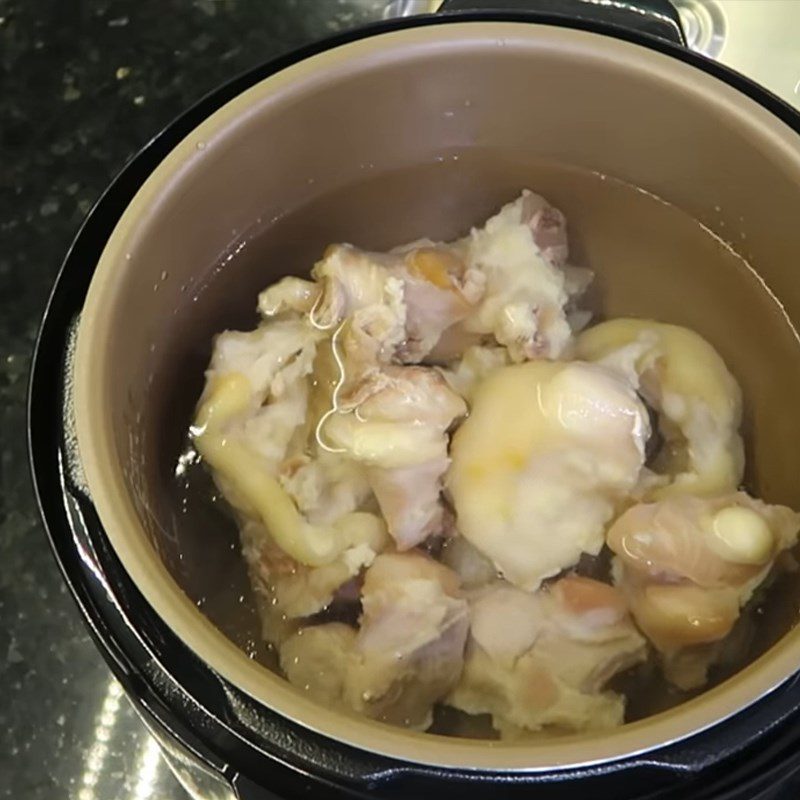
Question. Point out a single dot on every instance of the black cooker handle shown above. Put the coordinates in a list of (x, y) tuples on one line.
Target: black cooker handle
[(654, 17)]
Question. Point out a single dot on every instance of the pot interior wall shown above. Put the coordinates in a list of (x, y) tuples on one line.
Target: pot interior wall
[(425, 141)]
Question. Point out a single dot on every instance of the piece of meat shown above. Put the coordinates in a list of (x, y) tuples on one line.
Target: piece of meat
[(289, 591), (687, 565), (288, 295), (467, 373), (538, 468), (325, 487), (317, 659), (395, 424), (351, 280), (407, 653), (253, 489), (520, 252), (548, 227), (507, 280), (696, 398), (263, 375), (439, 292), (281, 346), (410, 499), (299, 590), (542, 660), (398, 304)]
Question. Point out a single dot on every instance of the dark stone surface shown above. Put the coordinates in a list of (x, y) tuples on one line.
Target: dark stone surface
[(82, 86)]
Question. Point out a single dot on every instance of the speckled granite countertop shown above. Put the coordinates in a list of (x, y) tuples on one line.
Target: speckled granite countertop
[(83, 85)]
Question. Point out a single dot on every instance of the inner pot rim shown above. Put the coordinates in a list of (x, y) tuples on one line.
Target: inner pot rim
[(120, 519)]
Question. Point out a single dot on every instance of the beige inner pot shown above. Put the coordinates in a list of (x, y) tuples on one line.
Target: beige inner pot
[(423, 132)]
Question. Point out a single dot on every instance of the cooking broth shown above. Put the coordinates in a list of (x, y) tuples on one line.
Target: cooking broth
[(650, 260)]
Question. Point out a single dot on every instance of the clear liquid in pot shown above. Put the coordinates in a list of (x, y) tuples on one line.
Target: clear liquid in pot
[(650, 260)]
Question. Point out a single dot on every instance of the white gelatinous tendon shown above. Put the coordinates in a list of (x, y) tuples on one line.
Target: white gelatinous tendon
[(698, 401), (548, 451)]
